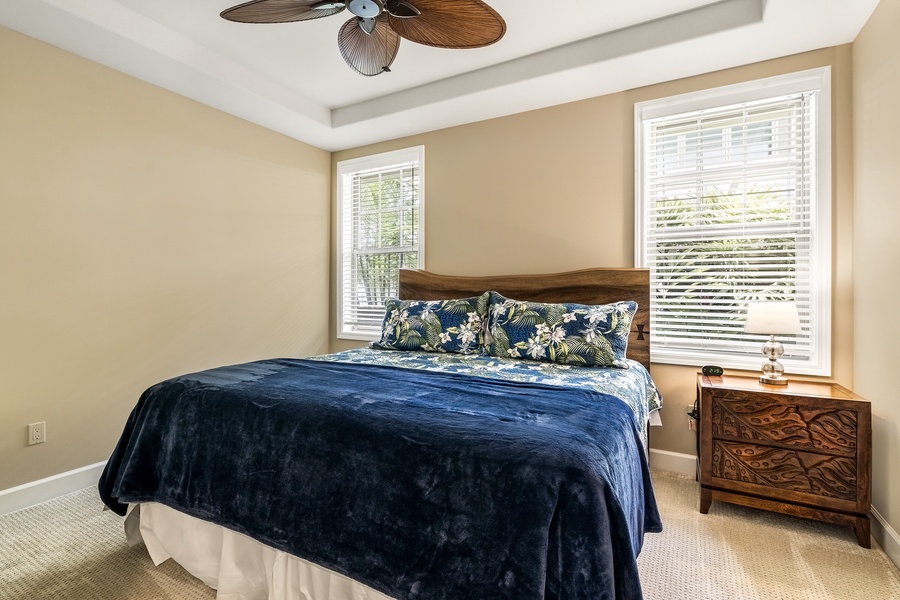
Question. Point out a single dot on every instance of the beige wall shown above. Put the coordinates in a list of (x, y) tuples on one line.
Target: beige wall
[(142, 235), (553, 190), (876, 249)]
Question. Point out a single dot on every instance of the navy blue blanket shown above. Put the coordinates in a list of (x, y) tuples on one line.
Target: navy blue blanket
[(423, 485)]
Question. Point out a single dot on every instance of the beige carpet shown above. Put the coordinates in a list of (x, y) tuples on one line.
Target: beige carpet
[(69, 548), (737, 553)]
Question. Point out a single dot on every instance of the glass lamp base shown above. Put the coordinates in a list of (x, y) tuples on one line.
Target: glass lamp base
[(773, 380), (772, 370)]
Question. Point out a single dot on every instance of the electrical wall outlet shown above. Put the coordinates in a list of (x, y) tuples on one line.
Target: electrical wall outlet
[(37, 433)]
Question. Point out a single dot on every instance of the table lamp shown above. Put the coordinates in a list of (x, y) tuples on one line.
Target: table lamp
[(773, 318)]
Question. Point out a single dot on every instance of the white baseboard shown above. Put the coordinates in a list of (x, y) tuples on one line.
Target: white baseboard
[(29, 494), (673, 461), (42, 490), (886, 537)]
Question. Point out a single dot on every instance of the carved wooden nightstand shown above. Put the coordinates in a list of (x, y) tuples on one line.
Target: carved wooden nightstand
[(803, 449)]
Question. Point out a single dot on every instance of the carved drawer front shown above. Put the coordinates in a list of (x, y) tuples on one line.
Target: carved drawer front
[(817, 474), (787, 423)]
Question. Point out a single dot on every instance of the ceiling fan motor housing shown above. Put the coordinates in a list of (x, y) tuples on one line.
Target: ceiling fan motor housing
[(366, 9)]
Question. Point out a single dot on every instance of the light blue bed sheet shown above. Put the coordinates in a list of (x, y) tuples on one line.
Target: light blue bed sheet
[(634, 386)]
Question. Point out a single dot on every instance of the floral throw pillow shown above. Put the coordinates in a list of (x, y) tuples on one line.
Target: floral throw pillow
[(572, 334), (455, 325)]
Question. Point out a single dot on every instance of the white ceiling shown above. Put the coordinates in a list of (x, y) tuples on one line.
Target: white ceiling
[(291, 78)]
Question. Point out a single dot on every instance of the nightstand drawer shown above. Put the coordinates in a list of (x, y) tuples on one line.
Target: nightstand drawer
[(817, 476), (801, 425)]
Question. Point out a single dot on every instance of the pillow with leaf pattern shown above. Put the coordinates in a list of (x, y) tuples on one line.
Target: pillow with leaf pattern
[(455, 325), (571, 334)]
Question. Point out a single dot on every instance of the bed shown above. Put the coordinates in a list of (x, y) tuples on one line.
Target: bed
[(407, 471)]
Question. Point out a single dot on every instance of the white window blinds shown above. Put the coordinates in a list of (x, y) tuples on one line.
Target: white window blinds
[(380, 206), (730, 210)]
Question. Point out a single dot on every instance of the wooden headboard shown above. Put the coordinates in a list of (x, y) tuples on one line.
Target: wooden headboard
[(588, 286)]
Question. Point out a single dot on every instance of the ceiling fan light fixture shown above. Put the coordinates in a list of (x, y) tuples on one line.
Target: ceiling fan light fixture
[(366, 9)]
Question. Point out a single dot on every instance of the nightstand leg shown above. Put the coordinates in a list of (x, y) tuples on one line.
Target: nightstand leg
[(863, 532), (705, 500)]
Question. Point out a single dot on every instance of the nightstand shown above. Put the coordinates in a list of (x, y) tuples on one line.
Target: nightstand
[(803, 449)]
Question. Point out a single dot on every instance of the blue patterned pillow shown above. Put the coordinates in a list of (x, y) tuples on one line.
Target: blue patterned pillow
[(572, 334), (434, 325)]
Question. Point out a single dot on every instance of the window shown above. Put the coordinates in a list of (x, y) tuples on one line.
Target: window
[(380, 208), (733, 204)]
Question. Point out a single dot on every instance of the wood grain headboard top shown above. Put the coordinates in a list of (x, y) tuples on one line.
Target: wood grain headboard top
[(587, 286)]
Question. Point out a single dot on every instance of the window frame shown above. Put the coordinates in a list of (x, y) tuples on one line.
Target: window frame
[(384, 161), (820, 308)]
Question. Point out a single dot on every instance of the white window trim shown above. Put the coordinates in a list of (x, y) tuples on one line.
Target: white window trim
[(374, 161), (813, 79)]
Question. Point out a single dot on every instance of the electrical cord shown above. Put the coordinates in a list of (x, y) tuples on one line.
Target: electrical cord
[(694, 414)]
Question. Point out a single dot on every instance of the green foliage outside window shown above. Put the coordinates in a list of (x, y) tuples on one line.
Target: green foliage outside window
[(387, 234), (701, 273)]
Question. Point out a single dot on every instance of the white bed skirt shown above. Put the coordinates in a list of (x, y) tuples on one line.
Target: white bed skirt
[(236, 566)]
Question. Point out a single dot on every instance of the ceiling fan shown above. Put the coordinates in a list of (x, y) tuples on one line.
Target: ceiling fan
[(370, 39)]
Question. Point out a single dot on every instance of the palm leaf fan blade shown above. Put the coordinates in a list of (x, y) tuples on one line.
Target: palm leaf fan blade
[(458, 24), (368, 53), (277, 11)]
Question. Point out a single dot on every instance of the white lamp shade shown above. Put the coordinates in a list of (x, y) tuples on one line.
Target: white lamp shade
[(772, 318)]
